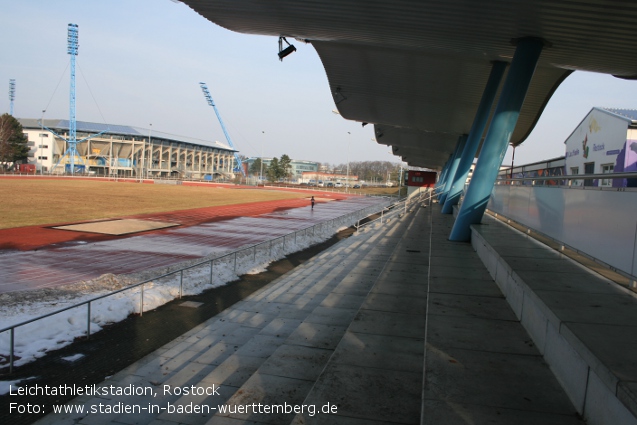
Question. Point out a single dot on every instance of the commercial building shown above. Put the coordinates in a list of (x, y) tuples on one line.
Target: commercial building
[(297, 168), (125, 151), (604, 142)]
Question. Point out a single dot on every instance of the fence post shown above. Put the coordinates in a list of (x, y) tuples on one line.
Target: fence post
[(212, 262), (181, 284), (141, 302), (235, 261), (254, 254), (88, 320), (11, 350)]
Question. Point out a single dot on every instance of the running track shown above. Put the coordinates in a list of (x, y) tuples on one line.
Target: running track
[(39, 257)]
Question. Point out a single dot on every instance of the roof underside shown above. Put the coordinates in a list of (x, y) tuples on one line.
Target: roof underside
[(416, 69)]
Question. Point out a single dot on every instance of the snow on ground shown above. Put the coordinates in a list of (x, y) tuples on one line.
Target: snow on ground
[(35, 339)]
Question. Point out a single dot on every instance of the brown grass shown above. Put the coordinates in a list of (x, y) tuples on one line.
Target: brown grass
[(27, 202)]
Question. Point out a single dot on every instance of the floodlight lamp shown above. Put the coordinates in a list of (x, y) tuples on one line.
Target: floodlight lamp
[(288, 50), (364, 124)]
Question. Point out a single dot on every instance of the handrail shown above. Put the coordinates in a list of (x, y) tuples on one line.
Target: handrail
[(396, 210), (11, 329), (607, 176)]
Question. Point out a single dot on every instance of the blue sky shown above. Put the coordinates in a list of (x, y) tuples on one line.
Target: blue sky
[(140, 62)]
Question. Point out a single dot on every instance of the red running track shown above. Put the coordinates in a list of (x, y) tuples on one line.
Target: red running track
[(43, 257)]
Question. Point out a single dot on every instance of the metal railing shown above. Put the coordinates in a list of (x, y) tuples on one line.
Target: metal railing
[(231, 257), (579, 181), (399, 208)]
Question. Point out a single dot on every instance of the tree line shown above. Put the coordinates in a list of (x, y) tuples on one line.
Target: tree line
[(278, 169), (369, 171)]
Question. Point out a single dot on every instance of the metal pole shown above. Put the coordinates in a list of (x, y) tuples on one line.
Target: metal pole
[(453, 166), (212, 262), (12, 343), (181, 283), (141, 302), (235, 261), (88, 321), (261, 173)]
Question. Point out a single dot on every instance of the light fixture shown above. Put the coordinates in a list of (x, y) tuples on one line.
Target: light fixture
[(284, 52), (364, 124)]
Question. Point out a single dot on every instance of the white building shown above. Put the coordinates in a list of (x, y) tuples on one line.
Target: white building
[(604, 142), (125, 151)]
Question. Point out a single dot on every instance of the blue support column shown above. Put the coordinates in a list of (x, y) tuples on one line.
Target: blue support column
[(442, 179), (498, 136), (453, 166), (475, 135)]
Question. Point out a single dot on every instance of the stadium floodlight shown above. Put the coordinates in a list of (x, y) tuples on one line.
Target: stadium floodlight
[(11, 95), (288, 50)]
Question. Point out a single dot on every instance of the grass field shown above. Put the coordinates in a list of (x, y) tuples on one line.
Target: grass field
[(27, 202)]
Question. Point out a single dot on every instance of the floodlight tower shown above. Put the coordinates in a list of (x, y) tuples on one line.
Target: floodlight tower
[(11, 95), (206, 94), (72, 50), (72, 141)]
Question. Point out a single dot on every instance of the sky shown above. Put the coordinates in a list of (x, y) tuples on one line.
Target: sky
[(140, 63)]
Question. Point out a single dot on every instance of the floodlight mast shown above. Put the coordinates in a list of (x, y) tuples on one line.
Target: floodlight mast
[(206, 94), (71, 151), (11, 95), (72, 140)]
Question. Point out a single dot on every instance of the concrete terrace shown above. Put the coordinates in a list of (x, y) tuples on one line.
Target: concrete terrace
[(394, 325)]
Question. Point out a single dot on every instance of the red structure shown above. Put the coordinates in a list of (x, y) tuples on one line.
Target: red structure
[(420, 178), (26, 168)]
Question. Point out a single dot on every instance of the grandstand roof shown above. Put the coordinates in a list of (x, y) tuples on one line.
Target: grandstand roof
[(417, 69), (120, 130)]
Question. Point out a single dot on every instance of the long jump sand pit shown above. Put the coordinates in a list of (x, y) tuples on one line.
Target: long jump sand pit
[(117, 227)]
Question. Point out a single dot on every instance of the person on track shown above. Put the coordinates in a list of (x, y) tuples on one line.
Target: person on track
[(312, 201)]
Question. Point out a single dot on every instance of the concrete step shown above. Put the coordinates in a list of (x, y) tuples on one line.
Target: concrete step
[(375, 373), (289, 372)]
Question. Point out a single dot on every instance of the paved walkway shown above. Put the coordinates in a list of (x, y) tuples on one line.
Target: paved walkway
[(21, 270), (393, 326)]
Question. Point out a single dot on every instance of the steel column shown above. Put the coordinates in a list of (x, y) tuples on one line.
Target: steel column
[(475, 135), (498, 136), (443, 177), (453, 166)]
